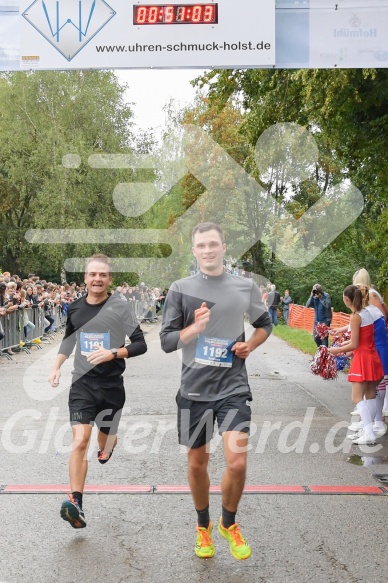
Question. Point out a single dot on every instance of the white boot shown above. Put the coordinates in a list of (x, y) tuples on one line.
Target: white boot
[(365, 413)]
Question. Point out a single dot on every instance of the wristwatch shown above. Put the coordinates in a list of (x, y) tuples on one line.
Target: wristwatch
[(114, 351)]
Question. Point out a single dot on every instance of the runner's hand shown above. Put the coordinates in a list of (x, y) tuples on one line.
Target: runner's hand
[(54, 378), (241, 349), (100, 355), (201, 317)]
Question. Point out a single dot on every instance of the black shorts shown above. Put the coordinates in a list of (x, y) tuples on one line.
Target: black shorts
[(196, 418), (90, 402)]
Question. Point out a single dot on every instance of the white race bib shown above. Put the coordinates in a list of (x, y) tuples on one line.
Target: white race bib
[(91, 341), (214, 351)]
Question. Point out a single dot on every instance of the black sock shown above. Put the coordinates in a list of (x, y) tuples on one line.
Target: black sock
[(203, 517), (78, 498), (228, 518)]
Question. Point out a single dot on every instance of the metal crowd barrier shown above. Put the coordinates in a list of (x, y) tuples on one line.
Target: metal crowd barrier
[(145, 310), (59, 318), (13, 326)]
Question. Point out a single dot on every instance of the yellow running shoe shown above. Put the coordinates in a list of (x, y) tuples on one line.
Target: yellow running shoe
[(238, 546), (204, 547), (37, 341)]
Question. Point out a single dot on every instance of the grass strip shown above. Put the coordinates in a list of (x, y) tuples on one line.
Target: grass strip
[(300, 339)]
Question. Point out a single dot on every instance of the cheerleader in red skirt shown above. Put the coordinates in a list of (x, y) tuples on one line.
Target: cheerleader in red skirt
[(366, 370)]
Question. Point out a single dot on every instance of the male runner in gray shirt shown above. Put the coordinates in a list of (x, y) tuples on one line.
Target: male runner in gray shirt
[(204, 315)]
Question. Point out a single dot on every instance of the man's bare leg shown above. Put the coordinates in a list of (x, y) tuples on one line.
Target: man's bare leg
[(233, 480), (78, 463), (199, 481), (71, 509)]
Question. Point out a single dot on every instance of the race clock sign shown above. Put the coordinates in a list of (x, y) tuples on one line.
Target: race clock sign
[(179, 14), (78, 34)]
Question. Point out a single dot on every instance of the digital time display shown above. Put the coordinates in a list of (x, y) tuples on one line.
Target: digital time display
[(176, 14)]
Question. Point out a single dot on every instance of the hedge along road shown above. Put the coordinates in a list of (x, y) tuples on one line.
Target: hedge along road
[(298, 439)]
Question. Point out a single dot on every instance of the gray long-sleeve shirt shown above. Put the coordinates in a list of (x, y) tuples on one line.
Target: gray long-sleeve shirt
[(228, 297)]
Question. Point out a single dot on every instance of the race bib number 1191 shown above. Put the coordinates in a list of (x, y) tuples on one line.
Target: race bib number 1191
[(91, 341)]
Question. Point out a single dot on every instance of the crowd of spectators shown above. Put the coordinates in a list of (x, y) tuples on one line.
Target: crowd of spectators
[(32, 292), (140, 292), (150, 297)]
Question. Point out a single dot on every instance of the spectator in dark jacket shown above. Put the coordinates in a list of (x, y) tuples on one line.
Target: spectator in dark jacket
[(321, 302)]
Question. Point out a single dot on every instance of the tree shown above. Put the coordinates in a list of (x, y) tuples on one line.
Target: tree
[(43, 117), (346, 112)]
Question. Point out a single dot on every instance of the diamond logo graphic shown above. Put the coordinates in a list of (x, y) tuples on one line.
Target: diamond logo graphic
[(69, 25)]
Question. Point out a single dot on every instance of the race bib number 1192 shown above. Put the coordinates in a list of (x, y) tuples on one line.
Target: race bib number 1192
[(214, 351)]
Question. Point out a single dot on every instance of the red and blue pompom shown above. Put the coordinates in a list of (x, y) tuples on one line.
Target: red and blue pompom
[(341, 361)]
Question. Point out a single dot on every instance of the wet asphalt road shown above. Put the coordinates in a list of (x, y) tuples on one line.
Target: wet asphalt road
[(299, 429)]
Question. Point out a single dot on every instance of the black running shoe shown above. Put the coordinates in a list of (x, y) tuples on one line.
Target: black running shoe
[(73, 513), (101, 459)]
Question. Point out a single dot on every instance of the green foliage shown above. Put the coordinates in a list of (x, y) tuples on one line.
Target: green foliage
[(46, 115), (333, 269), (43, 117), (347, 113)]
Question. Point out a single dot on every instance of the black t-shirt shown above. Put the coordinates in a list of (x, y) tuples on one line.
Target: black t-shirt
[(112, 317)]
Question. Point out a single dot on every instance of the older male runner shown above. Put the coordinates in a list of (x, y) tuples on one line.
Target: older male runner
[(204, 315), (97, 324)]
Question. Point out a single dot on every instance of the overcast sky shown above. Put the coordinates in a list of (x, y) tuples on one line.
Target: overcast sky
[(151, 90)]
